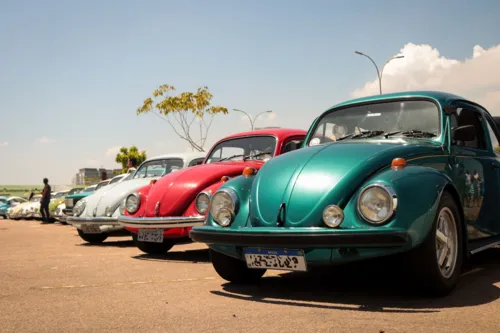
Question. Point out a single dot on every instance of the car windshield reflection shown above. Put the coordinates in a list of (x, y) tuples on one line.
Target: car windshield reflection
[(248, 148)]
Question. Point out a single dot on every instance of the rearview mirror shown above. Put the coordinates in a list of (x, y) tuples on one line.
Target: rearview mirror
[(464, 133)]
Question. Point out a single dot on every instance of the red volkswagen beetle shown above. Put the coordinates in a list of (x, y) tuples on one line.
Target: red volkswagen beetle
[(161, 214)]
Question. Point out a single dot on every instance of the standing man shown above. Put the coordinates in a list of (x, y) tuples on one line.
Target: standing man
[(44, 201), (104, 175), (132, 164)]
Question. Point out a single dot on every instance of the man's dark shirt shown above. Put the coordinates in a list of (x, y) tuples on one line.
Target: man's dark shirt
[(47, 189)]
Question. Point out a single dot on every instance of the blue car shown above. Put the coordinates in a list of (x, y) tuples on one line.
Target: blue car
[(6, 203)]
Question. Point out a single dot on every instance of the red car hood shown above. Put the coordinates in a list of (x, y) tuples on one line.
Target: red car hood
[(175, 191)]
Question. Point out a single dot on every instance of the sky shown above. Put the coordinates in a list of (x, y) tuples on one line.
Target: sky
[(72, 74)]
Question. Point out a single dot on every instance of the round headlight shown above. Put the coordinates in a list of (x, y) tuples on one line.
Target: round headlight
[(132, 203), (222, 207), (108, 212), (333, 216), (377, 203), (79, 208), (202, 202)]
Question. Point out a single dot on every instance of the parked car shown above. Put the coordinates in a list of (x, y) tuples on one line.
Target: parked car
[(9, 202), (54, 197), (71, 200), (26, 210), (160, 215), (96, 217), (421, 179), (57, 201)]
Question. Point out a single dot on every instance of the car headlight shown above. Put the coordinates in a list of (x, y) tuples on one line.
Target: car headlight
[(223, 205), (202, 202), (108, 211), (377, 203), (132, 203), (333, 216), (79, 208)]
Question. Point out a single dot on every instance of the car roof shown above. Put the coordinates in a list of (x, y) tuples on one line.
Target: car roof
[(184, 156), (441, 97), (14, 197), (280, 133)]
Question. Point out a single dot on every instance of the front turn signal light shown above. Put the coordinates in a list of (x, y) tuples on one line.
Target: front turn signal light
[(224, 179), (249, 171), (398, 163), (152, 182)]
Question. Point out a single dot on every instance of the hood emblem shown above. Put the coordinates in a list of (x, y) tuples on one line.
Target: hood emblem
[(157, 208), (281, 215), (95, 211)]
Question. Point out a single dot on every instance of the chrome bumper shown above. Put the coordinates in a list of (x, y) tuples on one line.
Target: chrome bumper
[(161, 222), (92, 220)]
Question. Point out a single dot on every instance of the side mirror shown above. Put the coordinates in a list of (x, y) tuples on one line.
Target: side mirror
[(464, 133)]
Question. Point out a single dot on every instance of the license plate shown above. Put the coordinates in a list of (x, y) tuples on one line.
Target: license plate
[(287, 260), (150, 235), (90, 229)]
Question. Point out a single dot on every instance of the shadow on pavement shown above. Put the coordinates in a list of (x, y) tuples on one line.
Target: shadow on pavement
[(375, 286), (106, 243), (193, 256)]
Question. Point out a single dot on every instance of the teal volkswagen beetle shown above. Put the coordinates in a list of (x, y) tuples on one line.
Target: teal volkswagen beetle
[(415, 173)]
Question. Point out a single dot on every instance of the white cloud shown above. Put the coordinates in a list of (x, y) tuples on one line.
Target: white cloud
[(112, 151), (3, 144), (44, 140), (423, 68)]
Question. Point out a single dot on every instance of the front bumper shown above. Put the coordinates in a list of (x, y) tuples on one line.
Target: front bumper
[(161, 222), (106, 224), (301, 237)]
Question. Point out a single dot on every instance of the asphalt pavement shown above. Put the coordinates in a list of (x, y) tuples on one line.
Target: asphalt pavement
[(52, 281)]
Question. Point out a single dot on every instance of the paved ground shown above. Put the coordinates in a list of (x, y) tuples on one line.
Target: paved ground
[(51, 281)]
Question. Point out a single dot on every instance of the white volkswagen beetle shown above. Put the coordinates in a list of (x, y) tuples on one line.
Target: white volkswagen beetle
[(96, 216)]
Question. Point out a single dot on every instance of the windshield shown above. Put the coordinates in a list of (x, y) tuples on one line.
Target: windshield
[(3, 201), (74, 190), (89, 189), (59, 195), (158, 168), (387, 117), (115, 180), (102, 184), (236, 149)]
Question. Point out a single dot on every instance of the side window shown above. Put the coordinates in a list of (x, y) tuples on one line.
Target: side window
[(471, 117), (196, 161), (495, 145), (292, 145)]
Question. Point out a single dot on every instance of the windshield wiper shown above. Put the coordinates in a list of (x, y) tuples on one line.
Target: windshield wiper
[(255, 155), (230, 157), (362, 134), (418, 134)]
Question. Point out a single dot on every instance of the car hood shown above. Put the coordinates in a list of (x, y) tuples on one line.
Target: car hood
[(112, 196), (175, 191), (307, 180)]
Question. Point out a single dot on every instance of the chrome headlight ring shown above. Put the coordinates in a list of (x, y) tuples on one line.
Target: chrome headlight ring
[(224, 206), (132, 203), (391, 201), (202, 202)]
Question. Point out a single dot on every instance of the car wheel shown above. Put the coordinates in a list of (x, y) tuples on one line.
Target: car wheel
[(63, 222), (153, 248), (234, 270), (437, 262), (5, 217), (92, 238)]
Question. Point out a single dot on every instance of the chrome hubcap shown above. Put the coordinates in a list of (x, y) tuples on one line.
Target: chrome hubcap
[(446, 242)]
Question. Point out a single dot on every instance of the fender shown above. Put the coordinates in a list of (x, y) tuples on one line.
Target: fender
[(243, 187), (418, 190)]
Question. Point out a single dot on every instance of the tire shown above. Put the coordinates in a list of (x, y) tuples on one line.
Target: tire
[(63, 222), (434, 280), (153, 248), (5, 217), (234, 270), (92, 238)]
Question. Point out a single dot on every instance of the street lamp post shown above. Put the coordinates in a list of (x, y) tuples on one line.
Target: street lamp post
[(379, 74), (252, 121)]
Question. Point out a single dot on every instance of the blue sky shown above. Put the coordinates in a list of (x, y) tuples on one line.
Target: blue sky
[(75, 72)]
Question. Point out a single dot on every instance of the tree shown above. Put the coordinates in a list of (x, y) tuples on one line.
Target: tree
[(181, 112), (124, 154)]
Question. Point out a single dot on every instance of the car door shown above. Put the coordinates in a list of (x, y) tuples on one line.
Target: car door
[(474, 175)]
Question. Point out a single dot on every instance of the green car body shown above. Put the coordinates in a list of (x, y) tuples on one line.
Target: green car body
[(281, 209)]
